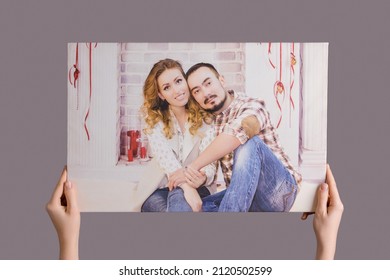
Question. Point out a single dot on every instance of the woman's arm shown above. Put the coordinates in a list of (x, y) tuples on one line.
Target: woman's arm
[(192, 197)]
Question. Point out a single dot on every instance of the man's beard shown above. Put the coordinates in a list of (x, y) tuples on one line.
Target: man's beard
[(218, 106)]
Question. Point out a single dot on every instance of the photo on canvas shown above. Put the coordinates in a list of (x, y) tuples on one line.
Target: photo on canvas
[(143, 116)]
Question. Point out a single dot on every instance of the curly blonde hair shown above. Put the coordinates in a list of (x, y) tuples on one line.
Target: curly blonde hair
[(155, 109)]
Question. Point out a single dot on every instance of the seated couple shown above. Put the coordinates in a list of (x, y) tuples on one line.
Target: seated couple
[(192, 121)]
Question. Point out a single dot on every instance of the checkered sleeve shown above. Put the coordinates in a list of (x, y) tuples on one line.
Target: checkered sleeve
[(254, 107)]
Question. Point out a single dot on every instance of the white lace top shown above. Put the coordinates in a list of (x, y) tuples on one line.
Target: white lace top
[(172, 153)]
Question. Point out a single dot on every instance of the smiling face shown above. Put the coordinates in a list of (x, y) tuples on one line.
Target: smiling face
[(173, 88), (208, 89)]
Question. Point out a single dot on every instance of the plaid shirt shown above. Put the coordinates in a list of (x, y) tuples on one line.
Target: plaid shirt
[(229, 122)]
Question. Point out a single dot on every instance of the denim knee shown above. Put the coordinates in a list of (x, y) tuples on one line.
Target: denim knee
[(156, 202), (248, 150), (176, 201)]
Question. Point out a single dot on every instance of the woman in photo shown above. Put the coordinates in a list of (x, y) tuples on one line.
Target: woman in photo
[(177, 134)]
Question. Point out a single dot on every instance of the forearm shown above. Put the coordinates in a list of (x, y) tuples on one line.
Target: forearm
[(69, 250), (326, 252), (192, 197), (221, 146), (326, 242)]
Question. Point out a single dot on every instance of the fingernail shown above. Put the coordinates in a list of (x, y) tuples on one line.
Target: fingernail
[(68, 184), (324, 187)]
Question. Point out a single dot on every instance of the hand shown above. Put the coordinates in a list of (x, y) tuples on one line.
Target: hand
[(176, 178), (194, 178), (192, 197), (66, 219), (327, 217)]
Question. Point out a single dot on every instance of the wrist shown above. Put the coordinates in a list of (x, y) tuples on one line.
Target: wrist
[(69, 249), (326, 251), (194, 166), (185, 186)]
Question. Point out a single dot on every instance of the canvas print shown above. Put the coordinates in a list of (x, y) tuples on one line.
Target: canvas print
[(197, 127)]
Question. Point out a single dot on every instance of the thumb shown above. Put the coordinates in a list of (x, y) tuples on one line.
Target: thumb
[(70, 192), (322, 199)]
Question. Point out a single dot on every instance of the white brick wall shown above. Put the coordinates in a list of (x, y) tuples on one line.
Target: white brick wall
[(136, 60)]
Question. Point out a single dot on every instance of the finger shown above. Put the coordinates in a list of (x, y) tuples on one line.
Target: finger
[(70, 191), (190, 183), (193, 172), (176, 183), (305, 215), (322, 199), (333, 192), (58, 191), (181, 181), (170, 183), (188, 176)]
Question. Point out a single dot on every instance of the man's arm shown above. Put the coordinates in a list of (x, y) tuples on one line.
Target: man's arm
[(225, 143), (221, 146)]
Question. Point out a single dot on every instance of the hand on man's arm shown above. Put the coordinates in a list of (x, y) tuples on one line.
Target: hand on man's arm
[(188, 175), (176, 178), (194, 178)]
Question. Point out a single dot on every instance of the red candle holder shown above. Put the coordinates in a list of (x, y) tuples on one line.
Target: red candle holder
[(133, 144)]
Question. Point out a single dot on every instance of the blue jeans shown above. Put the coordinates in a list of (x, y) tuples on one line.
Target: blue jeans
[(259, 183), (163, 200)]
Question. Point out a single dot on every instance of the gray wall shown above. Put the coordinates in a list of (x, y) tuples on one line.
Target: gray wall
[(34, 36)]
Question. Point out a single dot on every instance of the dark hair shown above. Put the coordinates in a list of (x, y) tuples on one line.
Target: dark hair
[(199, 65)]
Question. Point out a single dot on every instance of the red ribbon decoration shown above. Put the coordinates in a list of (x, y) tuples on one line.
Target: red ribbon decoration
[(279, 87), (293, 61), (75, 74), (89, 46), (269, 55)]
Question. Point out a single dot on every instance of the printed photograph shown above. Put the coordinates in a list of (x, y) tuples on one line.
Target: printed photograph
[(197, 127)]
